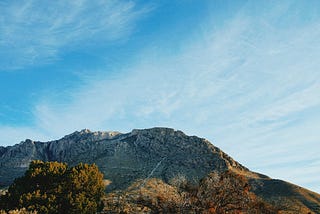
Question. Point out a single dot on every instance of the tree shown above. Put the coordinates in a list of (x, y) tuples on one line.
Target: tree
[(228, 192), (52, 187), (85, 188)]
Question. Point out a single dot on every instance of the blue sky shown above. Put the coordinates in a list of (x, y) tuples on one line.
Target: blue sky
[(243, 74)]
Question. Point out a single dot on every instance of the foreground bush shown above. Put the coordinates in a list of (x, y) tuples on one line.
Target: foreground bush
[(229, 192), (52, 187)]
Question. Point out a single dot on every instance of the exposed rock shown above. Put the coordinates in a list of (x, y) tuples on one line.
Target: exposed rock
[(123, 158)]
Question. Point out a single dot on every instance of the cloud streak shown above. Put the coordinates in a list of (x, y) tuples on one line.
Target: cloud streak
[(36, 32), (251, 87)]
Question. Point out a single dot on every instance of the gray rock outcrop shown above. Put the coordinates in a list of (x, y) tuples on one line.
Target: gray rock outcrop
[(122, 158)]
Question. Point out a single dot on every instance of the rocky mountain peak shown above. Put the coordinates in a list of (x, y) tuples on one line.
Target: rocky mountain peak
[(132, 155), (86, 134)]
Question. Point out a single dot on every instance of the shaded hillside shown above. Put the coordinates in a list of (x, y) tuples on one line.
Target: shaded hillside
[(286, 196), (158, 152)]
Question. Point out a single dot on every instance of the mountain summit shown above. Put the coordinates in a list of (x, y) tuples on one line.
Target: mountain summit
[(160, 153)]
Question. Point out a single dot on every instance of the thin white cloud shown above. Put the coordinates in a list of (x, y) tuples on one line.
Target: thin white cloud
[(13, 135), (35, 32), (294, 102), (250, 87)]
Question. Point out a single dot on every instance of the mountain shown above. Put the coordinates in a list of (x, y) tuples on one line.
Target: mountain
[(161, 153)]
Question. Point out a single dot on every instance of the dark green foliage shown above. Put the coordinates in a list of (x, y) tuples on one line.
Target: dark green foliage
[(85, 189), (52, 187)]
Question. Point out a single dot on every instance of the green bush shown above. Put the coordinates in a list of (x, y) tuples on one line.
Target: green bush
[(52, 187)]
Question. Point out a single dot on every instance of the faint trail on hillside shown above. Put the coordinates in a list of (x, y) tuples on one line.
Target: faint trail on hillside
[(152, 171)]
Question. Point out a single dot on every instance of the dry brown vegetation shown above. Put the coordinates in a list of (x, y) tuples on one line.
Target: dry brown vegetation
[(217, 193)]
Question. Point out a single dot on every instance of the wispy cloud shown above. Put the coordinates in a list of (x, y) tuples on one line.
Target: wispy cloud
[(240, 86), (18, 134), (231, 78), (35, 32)]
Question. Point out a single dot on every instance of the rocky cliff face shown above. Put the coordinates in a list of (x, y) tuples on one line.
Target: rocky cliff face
[(158, 152), (123, 158)]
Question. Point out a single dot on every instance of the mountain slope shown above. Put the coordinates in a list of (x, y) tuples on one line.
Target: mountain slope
[(158, 152), (124, 157)]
